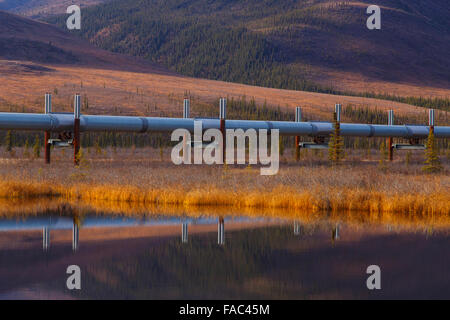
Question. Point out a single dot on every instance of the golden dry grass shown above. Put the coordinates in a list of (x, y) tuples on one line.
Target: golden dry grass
[(138, 177), (327, 199)]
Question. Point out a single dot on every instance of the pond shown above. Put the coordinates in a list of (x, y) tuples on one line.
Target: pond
[(219, 257)]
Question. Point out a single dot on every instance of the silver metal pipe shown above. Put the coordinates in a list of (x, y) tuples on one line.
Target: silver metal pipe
[(58, 122), (36, 122)]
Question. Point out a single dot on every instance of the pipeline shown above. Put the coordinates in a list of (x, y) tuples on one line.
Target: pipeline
[(59, 122)]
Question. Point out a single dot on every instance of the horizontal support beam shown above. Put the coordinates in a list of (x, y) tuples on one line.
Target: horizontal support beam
[(58, 122), (58, 143), (311, 145), (409, 146)]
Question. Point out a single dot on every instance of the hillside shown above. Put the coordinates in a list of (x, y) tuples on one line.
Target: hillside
[(23, 39), (42, 8), (282, 43), (38, 58)]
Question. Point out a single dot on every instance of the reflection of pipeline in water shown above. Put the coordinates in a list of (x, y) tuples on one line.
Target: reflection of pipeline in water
[(221, 232), (45, 239), (75, 236), (184, 233)]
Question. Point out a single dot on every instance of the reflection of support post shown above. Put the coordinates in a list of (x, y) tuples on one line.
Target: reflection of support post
[(47, 135), (298, 118), (184, 233), (222, 116), (221, 232), (76, 129), (297, 228), (75, 236), (335, 233), (45, 239), (390, 143)]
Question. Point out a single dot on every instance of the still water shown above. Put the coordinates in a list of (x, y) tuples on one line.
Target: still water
[(166, 257)]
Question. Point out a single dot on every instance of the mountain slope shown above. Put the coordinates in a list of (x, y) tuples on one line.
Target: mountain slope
[(23, 39), (281, 43), (42, 8), (117, 84)]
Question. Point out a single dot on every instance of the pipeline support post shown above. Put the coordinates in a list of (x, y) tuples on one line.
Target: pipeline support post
[(337, 116), (222, 116), (334, 145), (338, 110), (47, 147), (390, 140), (431, 120), (186, 108), (298, 118), (76, 129), (186, 115), (47, 134)]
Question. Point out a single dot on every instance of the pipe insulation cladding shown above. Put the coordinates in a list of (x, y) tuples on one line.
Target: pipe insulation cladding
[(58, 122)]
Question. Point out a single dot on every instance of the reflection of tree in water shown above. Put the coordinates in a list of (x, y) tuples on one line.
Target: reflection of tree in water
[(197, 269)]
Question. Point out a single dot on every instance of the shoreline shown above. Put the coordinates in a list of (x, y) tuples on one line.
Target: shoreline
[(284, 198)]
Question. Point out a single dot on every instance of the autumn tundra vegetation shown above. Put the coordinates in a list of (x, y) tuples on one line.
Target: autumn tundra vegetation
[(353, 175), (359, 179)]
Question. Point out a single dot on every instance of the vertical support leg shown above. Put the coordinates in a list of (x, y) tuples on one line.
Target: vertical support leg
[(391, 149), (222, 130), (47, 134), (431, 121), (76, 129), (298, 118), (47, 147), (222, 117), (390, 142), (186, 115), (76, 141)]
